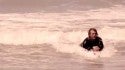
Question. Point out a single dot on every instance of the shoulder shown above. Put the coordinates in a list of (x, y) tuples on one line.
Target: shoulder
[(99, 38), (87, 38)]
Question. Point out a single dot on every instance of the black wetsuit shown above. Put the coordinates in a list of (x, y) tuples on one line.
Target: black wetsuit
[(89, 43)]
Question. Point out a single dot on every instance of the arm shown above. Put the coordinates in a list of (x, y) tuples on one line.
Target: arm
[(101, 46)]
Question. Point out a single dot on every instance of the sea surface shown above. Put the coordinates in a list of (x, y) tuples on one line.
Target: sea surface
[(46, 34)]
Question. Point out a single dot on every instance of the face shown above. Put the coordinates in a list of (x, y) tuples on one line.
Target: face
[(92, 34)]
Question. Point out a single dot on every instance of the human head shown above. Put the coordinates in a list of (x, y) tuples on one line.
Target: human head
[(92, 33)]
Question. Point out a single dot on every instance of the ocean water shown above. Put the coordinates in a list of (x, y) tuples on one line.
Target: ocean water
[(45, 35)]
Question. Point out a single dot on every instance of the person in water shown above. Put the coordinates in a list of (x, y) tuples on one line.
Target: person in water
[(93, 41)]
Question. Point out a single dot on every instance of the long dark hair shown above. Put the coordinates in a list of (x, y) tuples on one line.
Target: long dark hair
[(93, 30)]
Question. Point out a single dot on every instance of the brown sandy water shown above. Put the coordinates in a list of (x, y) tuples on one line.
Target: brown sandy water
[(43, 57), (45, 35)]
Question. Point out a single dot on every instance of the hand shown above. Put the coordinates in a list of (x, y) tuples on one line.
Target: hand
[(95, 48)]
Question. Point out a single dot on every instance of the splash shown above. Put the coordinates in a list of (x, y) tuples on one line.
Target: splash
[(65, 42)]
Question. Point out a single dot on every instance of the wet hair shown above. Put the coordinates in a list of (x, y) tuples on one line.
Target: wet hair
[(89, 31)]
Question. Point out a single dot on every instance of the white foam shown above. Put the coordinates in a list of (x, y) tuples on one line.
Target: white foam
[(116, 34), (66, 42)]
